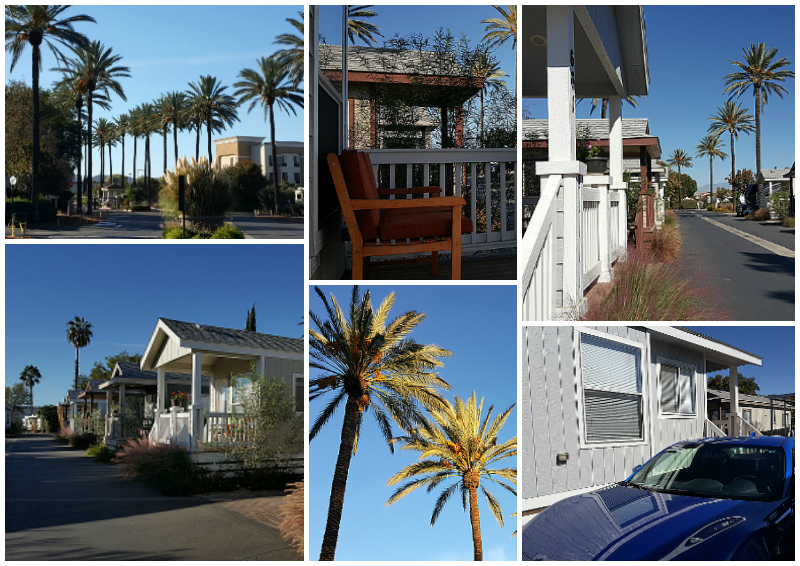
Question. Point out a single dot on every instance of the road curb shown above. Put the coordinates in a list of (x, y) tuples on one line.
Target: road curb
[(767, 245)]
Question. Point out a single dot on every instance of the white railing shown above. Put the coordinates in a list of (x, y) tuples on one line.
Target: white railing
[(113, 425), (173, 426), (224, 428), (613, 225), (473, 170), (735, 425), (536, 253), (590, 231), (712, 429)]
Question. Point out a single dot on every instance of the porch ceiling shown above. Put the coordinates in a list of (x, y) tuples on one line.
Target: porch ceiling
[(210, 362), (610, 51)]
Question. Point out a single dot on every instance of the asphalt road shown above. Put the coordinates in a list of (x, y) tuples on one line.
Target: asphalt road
[(148, 225), (60, 505), (752, 282)]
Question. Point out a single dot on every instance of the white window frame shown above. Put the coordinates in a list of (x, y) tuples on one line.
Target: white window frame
[(584, 444), (678, 364), (749, 418), (301, 377)]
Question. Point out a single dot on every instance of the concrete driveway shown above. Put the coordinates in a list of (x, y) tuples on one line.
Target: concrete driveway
[(60, 505)]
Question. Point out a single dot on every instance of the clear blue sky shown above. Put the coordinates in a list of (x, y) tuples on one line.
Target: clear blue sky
[(423, 19), (166, 48), (773, 343), (688, 49), (122, 289), (478, 324)]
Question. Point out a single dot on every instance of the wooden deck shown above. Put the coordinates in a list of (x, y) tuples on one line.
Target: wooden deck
[(500, 266)]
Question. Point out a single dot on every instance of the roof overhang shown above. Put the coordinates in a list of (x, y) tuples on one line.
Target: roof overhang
[(718, 355)]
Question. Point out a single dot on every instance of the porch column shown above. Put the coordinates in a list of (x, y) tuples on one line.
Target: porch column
[(122, 409), (261, 366), (733, 382), (196, 407), (109, 397), (161, 390)]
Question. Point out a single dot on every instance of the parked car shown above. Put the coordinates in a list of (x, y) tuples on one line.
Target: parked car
[(748, 201), (709, 499)]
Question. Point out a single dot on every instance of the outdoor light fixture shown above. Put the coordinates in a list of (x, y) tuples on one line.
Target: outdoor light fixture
[(561, 458), (538, 40)]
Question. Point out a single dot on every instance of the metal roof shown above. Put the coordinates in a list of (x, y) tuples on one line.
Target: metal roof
[(195, 332)]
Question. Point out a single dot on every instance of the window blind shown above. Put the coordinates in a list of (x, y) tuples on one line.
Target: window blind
[(612, 416), (609, 366)]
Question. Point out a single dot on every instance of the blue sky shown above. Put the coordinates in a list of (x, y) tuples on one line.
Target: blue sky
[(773, 343), (166, 48), (689, 48), (476, 323), (122, 289)]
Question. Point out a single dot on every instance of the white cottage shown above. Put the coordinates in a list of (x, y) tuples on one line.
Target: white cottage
[(598, 401)]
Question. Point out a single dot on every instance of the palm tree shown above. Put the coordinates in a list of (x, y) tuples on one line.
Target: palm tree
[(122, 125), (164, 119), (100, 69), (34, 24), (604, 106), (79, 334), (218, 109), (361, 29), (759, 73), (175, 107), (293, 55), (457, 444), (149, 124), (711, 147), (679, 159), (499, 30), (270, 85), (368, 364), (487, 67), (103, 131), (30, 376), (732, 118)]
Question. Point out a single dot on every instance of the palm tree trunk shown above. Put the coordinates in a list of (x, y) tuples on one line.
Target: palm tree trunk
[(35, 159), (110, 166), (758, 143), (76, 367), (79, 194), (135, 180), (147, 168), (123, 162), (89, 161), (175, 141), (165, 148), (481, 124), (197, 144), (711, 174), (208, 131), (339, 484), (733, 166), (275, 169), (475, 520)]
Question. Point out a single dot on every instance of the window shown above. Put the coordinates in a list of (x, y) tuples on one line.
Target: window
[(747, 414), (297, 161), (271, 176), (285, 176), (297, 177), (298, 390), (677, 389), (612, 390), (270, 161), (283, 161)]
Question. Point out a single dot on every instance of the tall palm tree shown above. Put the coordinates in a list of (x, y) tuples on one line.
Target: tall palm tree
[(103, 132), (732, 118), (218, 108), (711, 147), (164, 120), (79, 334), (122, 124), (603, 102), (458, 444), (679, 159), (502, 29), (293, 55), (368, 365), (34, 25), (100, 69), (175, 107), (149, 124), (359, 28), (487, 67), (760, 73), (271, 85), (30, 376)]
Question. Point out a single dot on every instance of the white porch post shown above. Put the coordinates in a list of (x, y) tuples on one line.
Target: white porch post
[(615, 164), (733, 383), (108, 412), (161, 390), (122, 409), (196, 407), (261, 366)]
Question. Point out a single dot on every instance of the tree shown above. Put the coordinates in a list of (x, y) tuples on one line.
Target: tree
[(680, 158), (457, 444), (760, 74), (175, 110), (604, 105), (79, 334), (218, 109), (499, 30), (740, 181), (30, 376), (251, 319), (16, 397), (731, 118), (103, 371), (246, 182), (271, 86), (747, 385), (370, 366), (711, 147), (487, 68), (122, 126), (361, 29), (679, 188), (293, 55), (35, 24), (103, 132)]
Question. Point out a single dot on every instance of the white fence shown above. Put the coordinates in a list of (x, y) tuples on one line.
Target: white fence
[(468, 172), (224, 428), (735, 425)]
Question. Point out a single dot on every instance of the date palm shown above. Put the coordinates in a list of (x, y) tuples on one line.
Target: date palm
[(122, 125), (293, 55), (175, 108), (270, 85), (502, 29), (79, 334), (759, 73), (30, 376), (218, 108), (370, 366), (359, 28), (33, 25), (103, 132), (487, 67), (457, 443), (164, 120), (680, 159), (711, 147), (731, 118)]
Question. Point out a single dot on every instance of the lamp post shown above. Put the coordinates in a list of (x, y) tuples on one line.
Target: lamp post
[(12, 181)]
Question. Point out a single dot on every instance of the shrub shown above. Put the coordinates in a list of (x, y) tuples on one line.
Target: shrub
[(727, 207), (173, 230), (667, 244), (15, 427), (709, 207), (101, 453), (788, 222), (49, 414), (164, 467), (761, 215), (63, 435), (140, 208), (207, 189), (292, 526), (227, 232), (266, 197), (246, 181), (83, 440), (22, 210), (779, 203), (670, 219)]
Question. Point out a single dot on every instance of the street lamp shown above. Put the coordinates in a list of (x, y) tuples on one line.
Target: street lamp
[(12, 181)]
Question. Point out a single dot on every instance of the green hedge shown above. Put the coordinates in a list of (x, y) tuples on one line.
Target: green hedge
[(22, 210)]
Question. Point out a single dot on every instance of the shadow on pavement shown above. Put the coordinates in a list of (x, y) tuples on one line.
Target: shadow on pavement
[(769, 262)]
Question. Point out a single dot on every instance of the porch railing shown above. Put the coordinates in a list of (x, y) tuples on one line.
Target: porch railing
[(461, 172), (224, 428), (712, 429), (172, 427), (735, 425), (537, 251)]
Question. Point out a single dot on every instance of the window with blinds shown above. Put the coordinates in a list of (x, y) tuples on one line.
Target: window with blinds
[(677, 390), (612, 390)]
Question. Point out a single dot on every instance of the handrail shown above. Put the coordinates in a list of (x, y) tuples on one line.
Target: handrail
[(713, 430)]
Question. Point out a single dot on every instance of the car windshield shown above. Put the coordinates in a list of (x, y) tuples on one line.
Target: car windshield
[(714, 470)]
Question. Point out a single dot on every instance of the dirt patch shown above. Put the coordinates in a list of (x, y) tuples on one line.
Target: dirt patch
[(263, 506)]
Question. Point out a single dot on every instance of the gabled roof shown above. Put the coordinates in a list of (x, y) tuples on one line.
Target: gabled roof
[(131, 372), (781, 174), (194, 332)]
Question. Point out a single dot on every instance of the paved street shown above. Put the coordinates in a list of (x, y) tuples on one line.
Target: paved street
[(121, 224), (60, 505), (753, 272)]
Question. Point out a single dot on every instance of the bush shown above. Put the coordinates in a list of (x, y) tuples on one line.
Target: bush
[(164, 467), (246, 181), (292, 526), (82, 441), (22, 210), (667, 244), (227, 232), (140, 208), (709, 207), (63, 435), (788, 222), (670, 219), (779, 203), (761, 215), (101, 453), (266, 197), (173, 230), (727, 207), (49, 414), (15, 427), (207, 189)]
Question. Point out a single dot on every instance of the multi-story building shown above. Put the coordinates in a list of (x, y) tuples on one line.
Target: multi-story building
[(254, 149)]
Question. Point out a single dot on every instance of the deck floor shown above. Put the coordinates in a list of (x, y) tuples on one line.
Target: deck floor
[(487, 266)]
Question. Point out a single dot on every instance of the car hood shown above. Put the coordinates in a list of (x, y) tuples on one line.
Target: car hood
[(625, 523)]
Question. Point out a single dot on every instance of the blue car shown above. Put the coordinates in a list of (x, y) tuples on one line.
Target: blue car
[(709, 499)]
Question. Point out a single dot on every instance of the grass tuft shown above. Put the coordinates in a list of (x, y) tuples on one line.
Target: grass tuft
[(667, 244)]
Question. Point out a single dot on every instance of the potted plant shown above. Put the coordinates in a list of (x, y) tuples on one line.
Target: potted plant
[(180, 399), (590, 154)]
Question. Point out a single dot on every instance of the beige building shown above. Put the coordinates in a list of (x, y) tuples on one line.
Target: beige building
[(757, 410), (254, 149)]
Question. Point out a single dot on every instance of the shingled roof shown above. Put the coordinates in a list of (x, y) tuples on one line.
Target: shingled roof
[(131, 370), (233, 337), (537, 129), (386, 60)]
